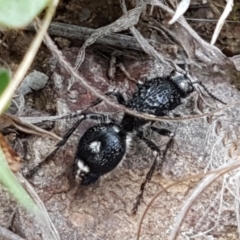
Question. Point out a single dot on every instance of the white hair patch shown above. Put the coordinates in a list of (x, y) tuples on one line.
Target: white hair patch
[(116, 129), (128, 141), (82, 167), (95, 146)]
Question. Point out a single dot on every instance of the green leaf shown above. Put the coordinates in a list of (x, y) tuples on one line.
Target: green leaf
[(4, 81), (15, 188), (19, 13)]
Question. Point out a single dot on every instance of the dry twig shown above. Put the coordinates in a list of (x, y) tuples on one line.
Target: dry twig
[(221, 21), (83, 33), (43, 219)]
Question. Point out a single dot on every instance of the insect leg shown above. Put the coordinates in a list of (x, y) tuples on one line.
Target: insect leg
[(162, 131), (156, 153), (209, 93)]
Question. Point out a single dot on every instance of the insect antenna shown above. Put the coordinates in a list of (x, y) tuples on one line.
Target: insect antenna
[(209, 93)]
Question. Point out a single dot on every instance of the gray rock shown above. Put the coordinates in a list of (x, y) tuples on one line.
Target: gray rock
[(35, 80)]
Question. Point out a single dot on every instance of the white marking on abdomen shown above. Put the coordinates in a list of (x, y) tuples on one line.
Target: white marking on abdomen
[(95, 146)]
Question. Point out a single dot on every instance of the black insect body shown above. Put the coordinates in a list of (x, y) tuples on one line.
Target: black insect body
[(157, 96), (160, 95), (103, 146), (100, 150)]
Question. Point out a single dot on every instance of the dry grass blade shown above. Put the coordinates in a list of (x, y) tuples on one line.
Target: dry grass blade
[(237, 207), (198, 190), (26, 127), (35, 120), (44, 219), (221, 21), (181, 9), (208, 179)]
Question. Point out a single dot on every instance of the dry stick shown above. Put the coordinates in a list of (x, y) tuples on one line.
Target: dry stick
[(35, 120), (28, 58), (82, 33), (209, 20), (9, 235)]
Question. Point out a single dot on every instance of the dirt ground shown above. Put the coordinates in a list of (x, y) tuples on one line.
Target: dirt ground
[(103, 210)]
